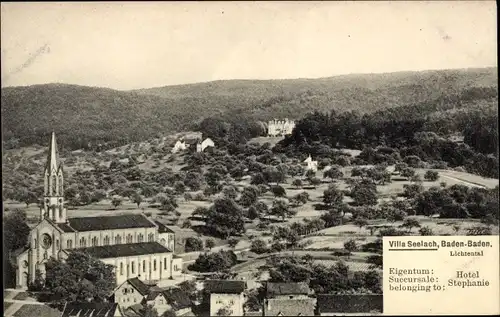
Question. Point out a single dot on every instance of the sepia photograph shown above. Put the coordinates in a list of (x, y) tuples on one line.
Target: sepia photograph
[(227, 158)]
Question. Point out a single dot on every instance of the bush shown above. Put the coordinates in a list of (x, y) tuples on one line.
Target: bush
[(431, 176), (258, 246), (193, 244)]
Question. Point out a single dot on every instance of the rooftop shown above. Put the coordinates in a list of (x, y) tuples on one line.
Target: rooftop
[(142, 288), (175, 297), (290, 307), (86, 309), (225, 286), (123, 250), (276, 289), (330, 303), (163, 228), (106, 223)]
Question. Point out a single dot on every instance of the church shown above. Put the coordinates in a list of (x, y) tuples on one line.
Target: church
[(137, 246)]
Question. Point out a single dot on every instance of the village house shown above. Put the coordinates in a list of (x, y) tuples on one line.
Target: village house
[(180, 145), (201, 146), (288, 299), (172, 298), (349, 305), (131, 292), (280, 127), (134, 244), (310, 164), (226, 294)]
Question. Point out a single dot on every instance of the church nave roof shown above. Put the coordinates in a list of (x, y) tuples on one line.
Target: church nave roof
[(106, 223), (123, 250)]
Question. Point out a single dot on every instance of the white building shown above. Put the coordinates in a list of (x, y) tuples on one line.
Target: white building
[(201, 146), (180, 145), (280, 127), (310, 164), (134, 244), (226, 294)]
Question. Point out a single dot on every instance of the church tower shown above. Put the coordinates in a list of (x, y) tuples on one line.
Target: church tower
[(53, 195)]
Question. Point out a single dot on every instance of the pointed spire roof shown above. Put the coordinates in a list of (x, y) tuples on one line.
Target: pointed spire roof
[(53, 157)]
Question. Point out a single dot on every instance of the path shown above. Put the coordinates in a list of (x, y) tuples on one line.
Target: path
[(464, 181)]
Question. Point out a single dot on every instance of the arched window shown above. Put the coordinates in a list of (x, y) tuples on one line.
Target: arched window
[(140, 238), (163, 242), (94, 241), (154, 265), (151, 237), (57, 244), (60, 211), (69, 244), (144, 266), (129, 238), (133, 267), (106, 240), (118, 239), (121, 268), (164, 263), (83, 243)]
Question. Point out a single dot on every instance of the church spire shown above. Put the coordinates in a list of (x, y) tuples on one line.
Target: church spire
[(53, 157)]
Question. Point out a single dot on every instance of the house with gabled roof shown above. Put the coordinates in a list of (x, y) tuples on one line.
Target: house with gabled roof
[(288, 299), (226, 295), (349, 305), (172, 298), (131, 292)]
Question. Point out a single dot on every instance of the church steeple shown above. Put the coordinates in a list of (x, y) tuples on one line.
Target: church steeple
[(53, 200)]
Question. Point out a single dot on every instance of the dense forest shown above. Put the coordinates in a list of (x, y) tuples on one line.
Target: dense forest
[(99, 118)]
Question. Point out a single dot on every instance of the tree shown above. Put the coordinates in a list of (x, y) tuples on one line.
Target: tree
[(116, 201), (28, 197), (411, 223), (408, 172), (209, 243), (230, 192), (249, 196), (310, 174), (361, 222), (225, 218), (364, 193), (333, 173), (431, 176), (258, 246), (193, 244), (350, 246), (189, 287), (136, 199), (281, 209), (186, 223), (233, 242), (16, 230), (278, 191), (297, 183), (79, 278), (425, 231), (214, 262), (333, 196)]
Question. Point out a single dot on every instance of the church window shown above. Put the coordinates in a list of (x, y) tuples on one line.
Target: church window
[(140, 238), (45, 255), (106, 240), (69, 244), (129, 238), (151, 237), (133, 267), (61, 186), (118, 239), (60, 212), (154, 265), (34, 244), (53, 188), (57, 244), (163, 242), (121, 268), (164, 263), (83, 242), (94, 241), (144, 266)]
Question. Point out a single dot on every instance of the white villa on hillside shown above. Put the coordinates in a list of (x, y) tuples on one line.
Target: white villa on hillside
[(311, 165), (201, 146), (134, 244), (180, 145), (280, 127)]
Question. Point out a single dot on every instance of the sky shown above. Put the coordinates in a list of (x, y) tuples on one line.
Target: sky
[(150, 44)]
